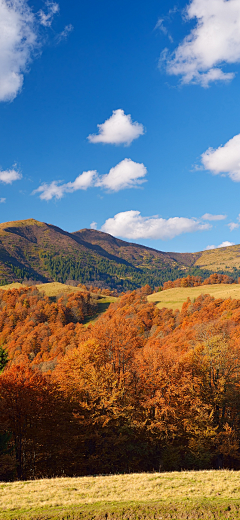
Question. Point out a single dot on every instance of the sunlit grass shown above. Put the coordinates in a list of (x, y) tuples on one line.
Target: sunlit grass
[(50, 289), (15, 285), (220, 259), (174, 298), (143, 487)]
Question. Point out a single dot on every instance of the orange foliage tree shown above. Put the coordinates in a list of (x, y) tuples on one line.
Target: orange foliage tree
[(141, 388)]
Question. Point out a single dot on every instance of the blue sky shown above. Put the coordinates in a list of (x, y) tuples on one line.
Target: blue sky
[(162, 80)]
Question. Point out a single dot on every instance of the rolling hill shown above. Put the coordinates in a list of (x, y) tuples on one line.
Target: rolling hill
[(174, 298), (42, 252)]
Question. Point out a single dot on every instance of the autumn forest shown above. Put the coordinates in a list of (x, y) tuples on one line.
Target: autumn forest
[(138, 389)]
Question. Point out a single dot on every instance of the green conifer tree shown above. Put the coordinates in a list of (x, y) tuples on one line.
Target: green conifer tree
[(3, 358)]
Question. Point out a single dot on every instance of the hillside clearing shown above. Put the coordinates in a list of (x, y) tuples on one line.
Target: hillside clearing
[(143, 488), (51, 289), (174, 298)]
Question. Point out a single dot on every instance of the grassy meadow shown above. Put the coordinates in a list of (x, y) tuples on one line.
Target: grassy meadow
[(190, 494), (224, 258), (174, 298), (51, 289)]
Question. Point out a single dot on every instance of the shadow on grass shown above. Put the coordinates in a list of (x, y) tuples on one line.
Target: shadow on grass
[(102, 306)]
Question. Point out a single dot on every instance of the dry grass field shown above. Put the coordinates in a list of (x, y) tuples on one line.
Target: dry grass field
[(174, 298), (224, 258), (15, 285), (177, 493), (50, 289)]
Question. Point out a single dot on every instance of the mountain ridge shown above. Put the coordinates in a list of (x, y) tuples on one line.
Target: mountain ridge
[(30, 249)]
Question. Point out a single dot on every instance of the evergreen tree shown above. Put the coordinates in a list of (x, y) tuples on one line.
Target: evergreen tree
[(3, 358)]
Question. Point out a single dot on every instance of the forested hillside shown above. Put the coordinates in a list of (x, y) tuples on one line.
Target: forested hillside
[(32, 250), (161, 386)]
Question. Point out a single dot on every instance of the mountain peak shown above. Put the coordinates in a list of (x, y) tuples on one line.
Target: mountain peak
[(21, 223)]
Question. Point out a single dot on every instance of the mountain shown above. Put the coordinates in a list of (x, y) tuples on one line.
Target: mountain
[(42, 252)]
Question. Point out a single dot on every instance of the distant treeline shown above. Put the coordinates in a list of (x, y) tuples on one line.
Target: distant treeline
[(196, 281)]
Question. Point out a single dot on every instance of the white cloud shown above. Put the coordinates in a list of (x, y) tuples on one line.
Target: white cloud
[(214, 41), (233, 225), (127, 174), (224, 160), (130, 224), (224, 244), (46, 19), (161, 27), (93, 225), (17, 40), (208, 216), (9, 176), (118, 129), (2, 200), (83, 181), (64, 34), (19, 37), (57, 191), (50, 191)]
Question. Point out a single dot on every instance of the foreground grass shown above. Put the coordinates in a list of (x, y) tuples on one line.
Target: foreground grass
[(174, 298), (203, 494)]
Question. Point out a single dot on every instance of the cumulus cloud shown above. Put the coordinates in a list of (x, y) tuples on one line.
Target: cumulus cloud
[(2, 200), (224, 160), (127, 174), (9, 176), (130, 224), (213, 42), (19, 37), (57, 191), (46, 19), (118, 129), (17, 40), (208, 216), (224, 244)]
